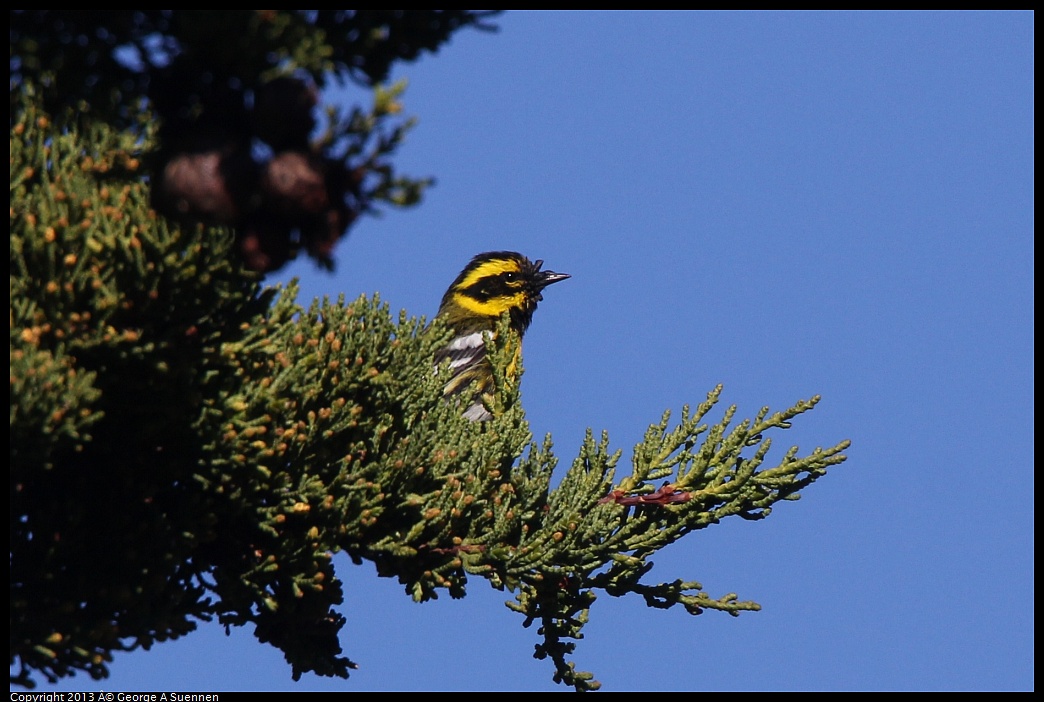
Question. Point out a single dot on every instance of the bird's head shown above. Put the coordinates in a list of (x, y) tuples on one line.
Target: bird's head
[(497, 282)]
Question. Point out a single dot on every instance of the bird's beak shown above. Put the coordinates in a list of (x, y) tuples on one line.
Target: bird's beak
[(548, 277)]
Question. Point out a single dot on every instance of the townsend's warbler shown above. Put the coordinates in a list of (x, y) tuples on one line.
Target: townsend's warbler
[(493, 283)]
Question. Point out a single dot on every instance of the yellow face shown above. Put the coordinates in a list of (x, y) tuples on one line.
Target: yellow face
[(492, 288)]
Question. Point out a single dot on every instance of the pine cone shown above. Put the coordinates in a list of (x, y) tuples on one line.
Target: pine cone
[(294, 184), (212, 184)]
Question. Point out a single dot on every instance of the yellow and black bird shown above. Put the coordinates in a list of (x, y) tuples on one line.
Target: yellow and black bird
[(494, 283)]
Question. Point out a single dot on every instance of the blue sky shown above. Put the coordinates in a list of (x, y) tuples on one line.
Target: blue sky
[(788, 204)]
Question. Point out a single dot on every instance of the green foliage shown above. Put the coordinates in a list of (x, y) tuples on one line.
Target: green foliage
[(114, 315), (186, 446), (195, 52), (234, 95)]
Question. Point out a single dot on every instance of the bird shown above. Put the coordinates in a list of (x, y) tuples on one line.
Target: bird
[(491, 285)]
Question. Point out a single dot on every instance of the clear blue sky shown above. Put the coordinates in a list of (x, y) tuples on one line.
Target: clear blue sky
[(786, 203)]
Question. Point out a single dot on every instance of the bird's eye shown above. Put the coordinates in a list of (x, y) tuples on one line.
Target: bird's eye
[(510, 277)]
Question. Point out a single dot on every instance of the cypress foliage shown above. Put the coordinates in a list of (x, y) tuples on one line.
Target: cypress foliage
[(186, 445)]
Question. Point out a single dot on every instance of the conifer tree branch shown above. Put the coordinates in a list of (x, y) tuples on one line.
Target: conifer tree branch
[(186, 446)]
